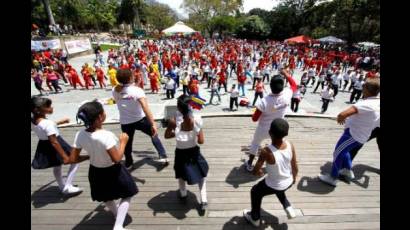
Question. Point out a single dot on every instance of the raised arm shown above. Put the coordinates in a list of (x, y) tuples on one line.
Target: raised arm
[(290, 79)]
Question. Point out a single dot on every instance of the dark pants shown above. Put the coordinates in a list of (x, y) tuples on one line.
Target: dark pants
[(375, 134), (55, 85), (254, 82), (256, 97), (232, 100), (185, 90), (335, 89), (265, 76), (224, 84), (346, 82), (204, 76), (144, 126), (170, 93), (325, 104), (260, 190), (177, 82), (209, 82), (313, 80), (317, 86), (214, 91), (294, 106), (356, 94), (93, 78), (351, 86)]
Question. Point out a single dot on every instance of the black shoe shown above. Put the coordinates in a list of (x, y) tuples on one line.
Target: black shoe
[(203, 209), (183, 199), (128, 164)]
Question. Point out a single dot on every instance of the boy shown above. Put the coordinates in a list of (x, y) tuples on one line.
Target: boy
[(281, 168), (234, 97), (272, 106), (362, 118)]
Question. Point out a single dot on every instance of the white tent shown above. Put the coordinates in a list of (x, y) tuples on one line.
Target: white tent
[(178, 27), (368, 44), (331, 39)]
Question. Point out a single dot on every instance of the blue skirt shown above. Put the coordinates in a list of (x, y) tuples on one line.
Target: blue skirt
[(111, 183), (46, 155), (190, 165)]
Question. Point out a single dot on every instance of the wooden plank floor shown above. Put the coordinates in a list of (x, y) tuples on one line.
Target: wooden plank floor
[(156, 206)]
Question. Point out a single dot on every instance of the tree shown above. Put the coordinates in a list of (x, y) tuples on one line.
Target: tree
[(253, 27), (47, 8), (204, 10), (222, 24), (159, 16), (130, 11)]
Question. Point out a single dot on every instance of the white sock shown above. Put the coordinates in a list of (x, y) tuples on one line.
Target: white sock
[(202, 190), (121, 213), (70, 174), (59, 177), (112, 206), (182, 187)]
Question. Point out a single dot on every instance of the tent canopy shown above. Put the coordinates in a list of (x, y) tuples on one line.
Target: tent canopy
[(331, 39), (299, 39), (178, 27), (368, 44)]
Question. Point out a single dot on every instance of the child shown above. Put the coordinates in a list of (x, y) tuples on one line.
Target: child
[(234, 97), (135, 115), (170, 87), (109, 180), (112, 72), (272, 106), (321, 80), (241, 83), (222, 80), (74, 77), (311, 76), (327, 95), (297, 97), (153, 79), (190, 166), (100, 77), (87, 77), (281, 168), (304, 79), (36, 76), (53, 79), (214, 90), (184, 81), (357, 89), (258, 90), (52, 150), (362, 118)]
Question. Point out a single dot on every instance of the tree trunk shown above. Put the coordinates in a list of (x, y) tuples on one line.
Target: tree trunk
[(47, 8)]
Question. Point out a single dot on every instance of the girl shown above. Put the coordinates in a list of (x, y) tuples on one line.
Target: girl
[(190, 166), (184, 81), (321, 80), (234, 97), (87, 77), (214, 90), (153, 79), (36, 76), (100, 77), (241, 83), (109, 180), (259, 90), (135, 115), (112, 72), (282, 170), (52, 150), (296, 98), (75, 78), (53, 79), (327, 95)]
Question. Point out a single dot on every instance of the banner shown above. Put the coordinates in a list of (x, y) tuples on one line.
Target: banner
[(45, 44), (76, 46)]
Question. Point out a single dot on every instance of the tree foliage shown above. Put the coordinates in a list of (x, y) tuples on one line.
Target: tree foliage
[(252, 27)]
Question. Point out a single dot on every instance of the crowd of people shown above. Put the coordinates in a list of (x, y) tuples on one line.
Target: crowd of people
[(190, 62)]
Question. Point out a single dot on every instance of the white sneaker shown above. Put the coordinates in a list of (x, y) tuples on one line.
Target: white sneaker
[(248, 167), (290, 212), (248, 217), (347, 173), (70, 190), (328, 179), (163, 160)]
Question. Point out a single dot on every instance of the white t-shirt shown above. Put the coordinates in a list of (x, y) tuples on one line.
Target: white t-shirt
[(96, 145), (273, 106), (44, 129), (367, 118), (170, 84), (187, 139), (358, 85), (327, 93), (128, 105), (279, 175), (311, 72), (234, 93)]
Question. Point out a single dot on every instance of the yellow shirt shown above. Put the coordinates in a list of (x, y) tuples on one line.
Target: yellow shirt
[(91, 70), (113, 77)]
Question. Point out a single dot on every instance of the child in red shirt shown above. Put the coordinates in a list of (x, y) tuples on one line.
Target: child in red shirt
[(86, 77), (153, 79), (258, 90), (222, 80), (100, 77)]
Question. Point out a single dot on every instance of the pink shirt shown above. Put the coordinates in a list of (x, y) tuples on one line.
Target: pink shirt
[(52, 76)]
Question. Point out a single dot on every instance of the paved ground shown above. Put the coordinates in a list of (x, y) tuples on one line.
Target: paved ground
[(348, 206), (66, 104)]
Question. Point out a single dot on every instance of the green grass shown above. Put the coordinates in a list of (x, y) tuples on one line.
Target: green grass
[(105, 47)]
